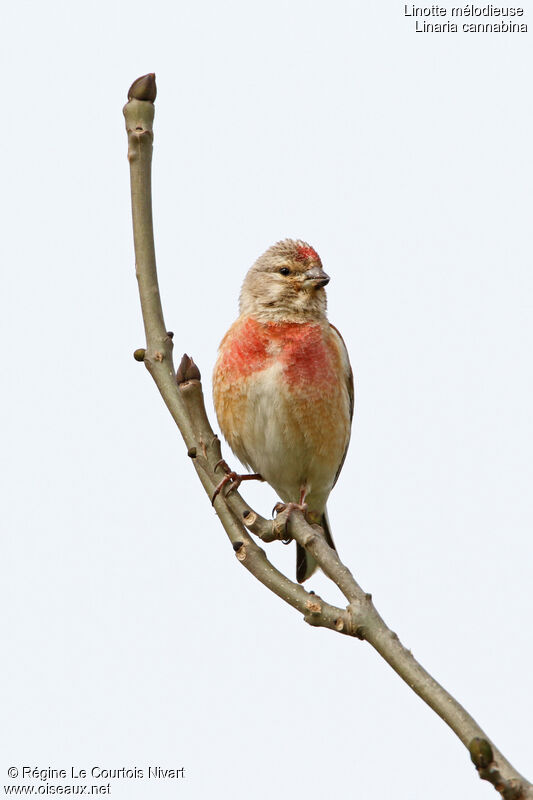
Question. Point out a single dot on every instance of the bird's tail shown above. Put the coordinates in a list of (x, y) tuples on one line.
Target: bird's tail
[(305, 563)]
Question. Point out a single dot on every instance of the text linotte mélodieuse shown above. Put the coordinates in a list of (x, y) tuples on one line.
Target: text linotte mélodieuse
[(504, 19)]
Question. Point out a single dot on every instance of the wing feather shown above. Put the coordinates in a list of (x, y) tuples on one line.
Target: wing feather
[(348, 377)]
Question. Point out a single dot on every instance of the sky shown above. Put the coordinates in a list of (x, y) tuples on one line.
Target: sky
[(132, 636)]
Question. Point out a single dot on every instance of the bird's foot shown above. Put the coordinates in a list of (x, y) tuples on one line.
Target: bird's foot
[(233, 479), (279, 508)]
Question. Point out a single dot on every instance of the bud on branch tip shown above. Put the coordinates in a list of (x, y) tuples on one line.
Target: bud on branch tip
[(144, 88)]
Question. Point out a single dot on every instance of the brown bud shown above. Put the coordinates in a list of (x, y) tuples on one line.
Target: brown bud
[(139, 354), (180, 372), (187, 370), (144, 88), (193, 373)]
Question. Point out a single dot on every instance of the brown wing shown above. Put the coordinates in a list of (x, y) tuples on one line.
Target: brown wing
[(350, 389)]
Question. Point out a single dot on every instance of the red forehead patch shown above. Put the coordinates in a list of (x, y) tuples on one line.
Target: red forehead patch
[(305, 253)]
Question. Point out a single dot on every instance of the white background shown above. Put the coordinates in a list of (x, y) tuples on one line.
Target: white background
[(132, 636)]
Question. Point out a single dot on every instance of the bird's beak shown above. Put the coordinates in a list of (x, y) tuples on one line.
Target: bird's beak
[(317, 277)]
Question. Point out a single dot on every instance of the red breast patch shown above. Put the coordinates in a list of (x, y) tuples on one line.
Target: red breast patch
[(308, 360)]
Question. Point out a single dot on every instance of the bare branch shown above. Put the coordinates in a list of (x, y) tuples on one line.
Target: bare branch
[(183, 396)]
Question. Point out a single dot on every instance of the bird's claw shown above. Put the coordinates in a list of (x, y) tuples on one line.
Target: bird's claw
[(289, 508), (232, 478)]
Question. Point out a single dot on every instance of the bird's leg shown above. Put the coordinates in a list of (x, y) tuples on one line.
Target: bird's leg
[(301, 506), (289, 508), (232, 478)]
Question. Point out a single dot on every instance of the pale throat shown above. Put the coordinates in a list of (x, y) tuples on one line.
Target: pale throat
[(305, 308)]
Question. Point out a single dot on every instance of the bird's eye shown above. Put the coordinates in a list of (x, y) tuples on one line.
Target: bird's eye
[(284, 271)]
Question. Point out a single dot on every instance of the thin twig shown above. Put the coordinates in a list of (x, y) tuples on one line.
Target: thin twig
[(184, 399)]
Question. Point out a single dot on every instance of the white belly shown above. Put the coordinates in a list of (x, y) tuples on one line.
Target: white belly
[(276, 444)]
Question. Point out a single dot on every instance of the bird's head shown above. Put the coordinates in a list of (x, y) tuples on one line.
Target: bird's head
[(285, 284)]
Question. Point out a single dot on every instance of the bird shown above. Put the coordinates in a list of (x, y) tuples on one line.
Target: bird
[(283, 386)]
